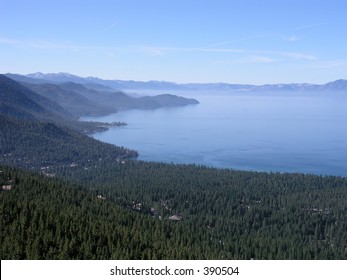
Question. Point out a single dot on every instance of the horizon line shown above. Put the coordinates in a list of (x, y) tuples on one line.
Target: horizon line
[(171, 82)]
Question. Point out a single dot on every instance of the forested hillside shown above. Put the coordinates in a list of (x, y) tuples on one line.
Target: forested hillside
[(142, 210), (20, 102), (46, 145), (71, 100)]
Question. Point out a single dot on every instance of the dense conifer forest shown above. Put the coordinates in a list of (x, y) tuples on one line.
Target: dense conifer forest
[(137, 210), (44, 145), (65, 195)]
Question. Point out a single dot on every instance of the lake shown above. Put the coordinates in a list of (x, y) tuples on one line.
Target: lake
[(279, 132)]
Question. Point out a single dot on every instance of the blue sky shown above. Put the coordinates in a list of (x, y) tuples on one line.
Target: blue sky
[(241, 41)]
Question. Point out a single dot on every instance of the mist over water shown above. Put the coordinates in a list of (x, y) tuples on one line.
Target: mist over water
[(286, 132)]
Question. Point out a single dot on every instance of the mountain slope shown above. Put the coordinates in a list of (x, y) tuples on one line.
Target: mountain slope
[(72, 101), (169, 100), (120, 100), (33, 144), (35, 131), (57, 77), (21, 102), (123, 212), (338, 85)]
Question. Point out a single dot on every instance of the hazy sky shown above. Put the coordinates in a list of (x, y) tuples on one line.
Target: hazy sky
[(241, 41)]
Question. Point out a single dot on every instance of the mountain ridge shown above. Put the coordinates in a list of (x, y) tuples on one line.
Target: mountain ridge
[(20, 101), (340, 84), (80, 99)]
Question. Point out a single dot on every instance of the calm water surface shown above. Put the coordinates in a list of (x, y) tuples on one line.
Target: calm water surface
[(264, 132)]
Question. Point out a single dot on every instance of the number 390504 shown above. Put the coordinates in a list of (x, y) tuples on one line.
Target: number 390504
[(221, 270)]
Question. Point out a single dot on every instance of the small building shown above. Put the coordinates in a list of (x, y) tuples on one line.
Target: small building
[(175, 218), (7, 187)]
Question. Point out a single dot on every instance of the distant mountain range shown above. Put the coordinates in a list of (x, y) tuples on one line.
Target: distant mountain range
[(111, 85), (84, 96)]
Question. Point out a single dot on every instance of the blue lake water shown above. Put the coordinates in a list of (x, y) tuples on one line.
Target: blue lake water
[(265, 132)]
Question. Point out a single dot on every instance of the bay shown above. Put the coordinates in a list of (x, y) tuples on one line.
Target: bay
[(277, 132)]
